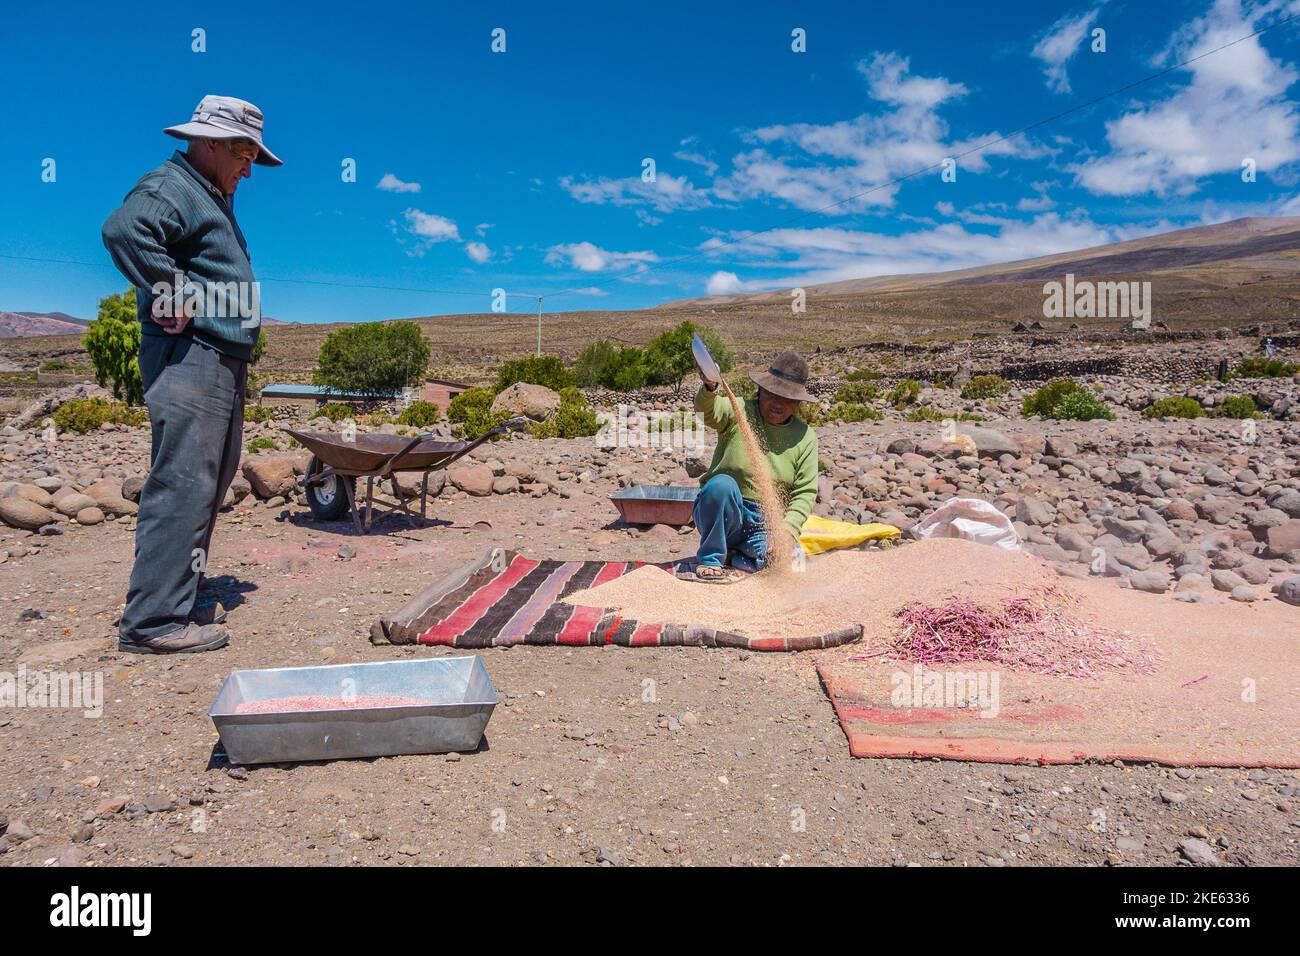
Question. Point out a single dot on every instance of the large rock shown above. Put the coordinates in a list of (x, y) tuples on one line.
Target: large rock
[(1288, 590), (69, 505), (1034, 511), (19, 512), (472, 479), (106, 489), (1283, 538), (505, 485), (32, 493), (1227, 580), (1153, 581), (90, 515), (1287, 500), (240, 488), (131, 487), (989, 442), (524, 398), (270, 476), (117, 507)]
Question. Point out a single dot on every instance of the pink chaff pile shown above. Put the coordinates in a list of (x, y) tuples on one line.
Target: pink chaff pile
[(1022, 633)]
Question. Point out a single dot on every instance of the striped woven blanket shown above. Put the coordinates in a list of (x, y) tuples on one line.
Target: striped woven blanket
[(506, 598)]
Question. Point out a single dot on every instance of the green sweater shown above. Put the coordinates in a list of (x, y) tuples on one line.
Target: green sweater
[(791, 454)]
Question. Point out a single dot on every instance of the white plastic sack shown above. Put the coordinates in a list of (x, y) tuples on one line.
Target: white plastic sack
[(969, 518)]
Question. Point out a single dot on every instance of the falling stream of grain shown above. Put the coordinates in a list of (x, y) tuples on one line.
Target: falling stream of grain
[(780, 547)]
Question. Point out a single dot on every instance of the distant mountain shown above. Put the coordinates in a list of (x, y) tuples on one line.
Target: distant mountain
[(1244, 250), (15, 324)]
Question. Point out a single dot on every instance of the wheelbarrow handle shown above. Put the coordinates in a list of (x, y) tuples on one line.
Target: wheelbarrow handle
[(512, 424)]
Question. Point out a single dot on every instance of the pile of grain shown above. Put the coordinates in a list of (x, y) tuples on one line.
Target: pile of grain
[(836, 590), (280, 705)]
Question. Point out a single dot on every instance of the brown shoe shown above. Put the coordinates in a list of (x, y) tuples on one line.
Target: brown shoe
[(188, 640)]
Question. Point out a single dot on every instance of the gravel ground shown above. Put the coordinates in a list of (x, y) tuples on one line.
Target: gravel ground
[(606, 756)]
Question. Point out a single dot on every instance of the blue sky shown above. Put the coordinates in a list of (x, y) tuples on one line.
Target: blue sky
[(523, 170)]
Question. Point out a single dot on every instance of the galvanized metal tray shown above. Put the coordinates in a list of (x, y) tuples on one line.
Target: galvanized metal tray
[(459, 694), (655, 504)]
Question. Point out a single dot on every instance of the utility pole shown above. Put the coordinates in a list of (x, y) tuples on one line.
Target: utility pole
[(539, 326)]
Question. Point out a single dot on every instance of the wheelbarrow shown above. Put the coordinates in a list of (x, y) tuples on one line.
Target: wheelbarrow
[(337, 461)]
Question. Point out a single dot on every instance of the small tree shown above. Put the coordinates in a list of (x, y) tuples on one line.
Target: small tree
[(668, 356), (113, 343), (545, 370), (377, 358)]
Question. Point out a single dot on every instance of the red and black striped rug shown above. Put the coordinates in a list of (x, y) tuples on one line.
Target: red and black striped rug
[(505, 598)]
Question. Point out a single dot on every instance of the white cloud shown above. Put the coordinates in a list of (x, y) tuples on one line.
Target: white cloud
[(687, 155), (481, 229), (1235, 106), (586, 257), (813, 256), (812, 166), (666, 194), (391, 184), (589, 290), (724, 283), (478, 251), (430, 226), (1058, 46)]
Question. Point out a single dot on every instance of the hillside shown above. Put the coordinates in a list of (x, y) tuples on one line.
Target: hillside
[(1235, 275)]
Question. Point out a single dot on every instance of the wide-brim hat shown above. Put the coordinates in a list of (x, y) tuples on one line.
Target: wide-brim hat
[(787, 377), (224, 117)]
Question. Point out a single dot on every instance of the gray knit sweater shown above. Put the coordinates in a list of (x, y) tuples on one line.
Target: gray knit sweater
[(175, 222)]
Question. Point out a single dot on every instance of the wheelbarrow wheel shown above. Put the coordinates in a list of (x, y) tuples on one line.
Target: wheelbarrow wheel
[(327, 498)]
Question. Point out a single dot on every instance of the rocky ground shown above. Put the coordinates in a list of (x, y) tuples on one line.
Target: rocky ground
[(737, 759)]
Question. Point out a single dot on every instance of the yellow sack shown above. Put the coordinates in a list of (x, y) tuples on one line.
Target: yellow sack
[(822, 534)]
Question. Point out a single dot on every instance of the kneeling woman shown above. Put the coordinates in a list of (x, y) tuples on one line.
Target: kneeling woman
[(726, 512)]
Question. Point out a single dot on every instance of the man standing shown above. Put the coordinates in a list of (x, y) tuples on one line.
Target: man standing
[(176, 239)]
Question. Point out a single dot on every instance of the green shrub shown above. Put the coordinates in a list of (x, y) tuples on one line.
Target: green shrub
[(113, 343), (471, 412), (258, 414), (375, 419), (262, 443), (927, 413), (420, 414), (589, 369), (334, 411), (862, 375), (56, 365), (1264, 368), (1043, 402), (1236, 406), (1174, 406), (853, 412), (856, 392), (1082, 406), (83, 415), (375, 358), (545, 370), (986, 386), (905, 393)]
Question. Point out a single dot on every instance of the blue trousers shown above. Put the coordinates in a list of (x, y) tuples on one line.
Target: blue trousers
[(195, 398), (729, 525)]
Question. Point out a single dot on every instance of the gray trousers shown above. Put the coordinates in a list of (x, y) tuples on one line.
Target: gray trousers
[(195, 397)]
